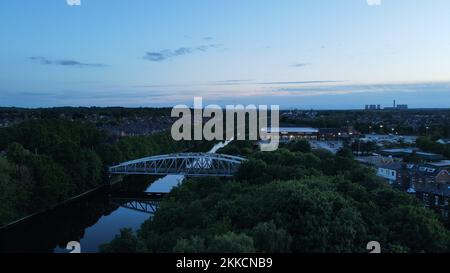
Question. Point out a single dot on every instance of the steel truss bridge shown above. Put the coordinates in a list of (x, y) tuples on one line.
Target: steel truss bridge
[(187, 164)]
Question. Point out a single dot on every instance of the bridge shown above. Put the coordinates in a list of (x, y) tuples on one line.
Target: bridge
[(187, 164)]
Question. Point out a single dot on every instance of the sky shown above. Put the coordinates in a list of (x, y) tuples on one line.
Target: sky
[(321, 54)]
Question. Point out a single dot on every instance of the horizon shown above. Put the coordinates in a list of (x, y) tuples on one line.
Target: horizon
[(306, 55), (191, 107)]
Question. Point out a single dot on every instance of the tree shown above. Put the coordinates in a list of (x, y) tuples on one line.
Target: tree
[(417, 228), (345, 152), (231, 243), (16, 153), (268, 238), (252, 169), (195, 244), (125, 242), (300, 146)]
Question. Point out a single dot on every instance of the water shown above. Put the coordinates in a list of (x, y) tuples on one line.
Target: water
[(92, 221)]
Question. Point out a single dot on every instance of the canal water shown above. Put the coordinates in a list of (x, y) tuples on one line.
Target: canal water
[(91, 221)]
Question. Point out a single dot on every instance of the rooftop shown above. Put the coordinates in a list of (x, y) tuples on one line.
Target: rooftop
[(409, 151), (392, 166), (443, 163), (401, 150)]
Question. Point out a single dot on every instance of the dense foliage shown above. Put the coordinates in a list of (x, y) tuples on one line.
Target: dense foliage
[(47, 161), (291, 200), (431, 145)]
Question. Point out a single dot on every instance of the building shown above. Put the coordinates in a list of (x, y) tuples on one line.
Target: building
[(429, 173), (295, 133), (376, 160), (397, 107), (430, 182), (434, 198), (424, 173), (337, 133), (308, 133), (443, 164), (392, 172), (373, 107), (433, 189), (381, 139), (403, 152)]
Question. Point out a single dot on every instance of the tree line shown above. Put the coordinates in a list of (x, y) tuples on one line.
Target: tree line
[(44, 162)]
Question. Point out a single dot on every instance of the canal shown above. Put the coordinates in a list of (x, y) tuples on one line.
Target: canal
[(91, 221)]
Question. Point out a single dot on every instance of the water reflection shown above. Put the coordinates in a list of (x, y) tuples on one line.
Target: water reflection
[(91, 221)]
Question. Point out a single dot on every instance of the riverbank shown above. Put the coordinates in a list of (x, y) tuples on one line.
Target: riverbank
[(60, 205)]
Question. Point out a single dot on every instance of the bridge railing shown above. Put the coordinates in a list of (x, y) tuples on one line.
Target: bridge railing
[(189, 164)]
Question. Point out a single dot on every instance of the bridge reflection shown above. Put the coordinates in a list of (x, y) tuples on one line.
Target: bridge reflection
[(84, 220), (142, 201)]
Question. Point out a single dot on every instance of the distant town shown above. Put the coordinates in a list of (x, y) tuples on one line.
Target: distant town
[(395, 106)]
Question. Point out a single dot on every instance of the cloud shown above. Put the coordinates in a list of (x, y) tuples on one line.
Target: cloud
[(364, 88), (40, 60), (237, 82), (296, 65), (208, 38), (231, 82), (73, 63), (159, 56), (298, 82), (155, 56)]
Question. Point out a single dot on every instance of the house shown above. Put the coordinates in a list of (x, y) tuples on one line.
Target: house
[(392, 172), (443, 177), (433, 172), (429, 182), (432, 186)]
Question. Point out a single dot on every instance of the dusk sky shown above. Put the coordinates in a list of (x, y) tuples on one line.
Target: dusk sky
[(295, 53)]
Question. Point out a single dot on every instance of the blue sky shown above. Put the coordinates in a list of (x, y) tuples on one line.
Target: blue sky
[(295, 53)]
